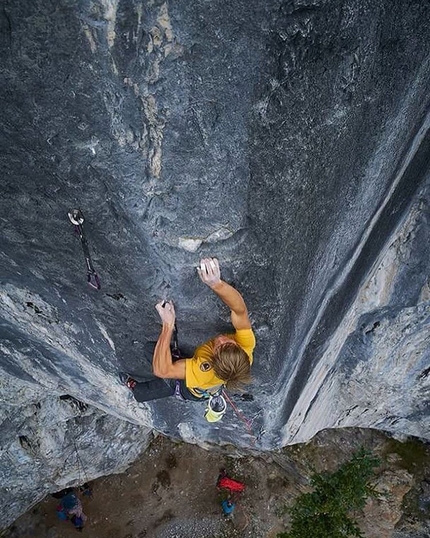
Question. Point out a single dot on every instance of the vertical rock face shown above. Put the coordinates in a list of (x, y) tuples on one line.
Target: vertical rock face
[(374, 369), (290, 139)]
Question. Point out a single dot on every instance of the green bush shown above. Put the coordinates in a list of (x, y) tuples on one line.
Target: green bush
[(325, 512)]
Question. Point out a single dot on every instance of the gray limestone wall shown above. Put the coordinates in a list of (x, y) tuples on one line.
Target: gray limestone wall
[(287, 138)]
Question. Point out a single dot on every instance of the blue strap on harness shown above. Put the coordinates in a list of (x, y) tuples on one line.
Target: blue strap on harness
[(178, 391)]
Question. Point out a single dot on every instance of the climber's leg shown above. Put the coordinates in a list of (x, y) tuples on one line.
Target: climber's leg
[(154, 389)]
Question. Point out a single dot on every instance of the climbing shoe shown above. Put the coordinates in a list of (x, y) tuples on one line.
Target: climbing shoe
[(127, 380)]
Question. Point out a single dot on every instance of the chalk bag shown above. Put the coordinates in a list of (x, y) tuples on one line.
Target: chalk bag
[(216, 408)]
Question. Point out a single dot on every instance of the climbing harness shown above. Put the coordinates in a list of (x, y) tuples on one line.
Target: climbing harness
[(76, 217)]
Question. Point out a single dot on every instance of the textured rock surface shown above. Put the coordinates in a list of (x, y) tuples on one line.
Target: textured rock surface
[(375, 370), (57, 442), (290, 139)]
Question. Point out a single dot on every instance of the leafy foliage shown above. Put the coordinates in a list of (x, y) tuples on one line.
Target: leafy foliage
[(325, 512)]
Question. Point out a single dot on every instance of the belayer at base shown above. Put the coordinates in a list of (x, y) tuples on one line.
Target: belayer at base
[(223, 361)]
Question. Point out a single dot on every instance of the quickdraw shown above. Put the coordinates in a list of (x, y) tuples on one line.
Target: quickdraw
[(76, 217), (176, 354)]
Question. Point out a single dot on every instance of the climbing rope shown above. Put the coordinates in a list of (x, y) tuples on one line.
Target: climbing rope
[(80, 465), (248, 423)]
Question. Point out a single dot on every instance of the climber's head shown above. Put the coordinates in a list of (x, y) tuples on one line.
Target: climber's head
[(230, 362)]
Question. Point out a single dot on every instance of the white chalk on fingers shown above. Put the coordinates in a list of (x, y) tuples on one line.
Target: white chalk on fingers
[(213, 264), (202, 266)]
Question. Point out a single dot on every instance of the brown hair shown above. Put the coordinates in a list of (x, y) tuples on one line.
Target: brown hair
[(231, 364)]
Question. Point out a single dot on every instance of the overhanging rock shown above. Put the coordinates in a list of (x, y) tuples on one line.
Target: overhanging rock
[(289, 139)]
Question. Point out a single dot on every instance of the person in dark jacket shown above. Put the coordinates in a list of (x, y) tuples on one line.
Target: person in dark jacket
[(70, 508)]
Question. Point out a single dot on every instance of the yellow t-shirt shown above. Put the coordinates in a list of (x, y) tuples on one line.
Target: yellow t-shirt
[(199, 373)]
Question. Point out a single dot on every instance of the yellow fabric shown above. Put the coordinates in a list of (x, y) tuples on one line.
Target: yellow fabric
[(196, 378)]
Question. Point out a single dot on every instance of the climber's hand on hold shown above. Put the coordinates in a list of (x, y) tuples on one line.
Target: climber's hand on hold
[(209, 271), (162, 363), (166, 311), (210, 274)]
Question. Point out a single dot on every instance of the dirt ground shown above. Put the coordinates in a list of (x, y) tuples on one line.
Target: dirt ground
[(169, 493)]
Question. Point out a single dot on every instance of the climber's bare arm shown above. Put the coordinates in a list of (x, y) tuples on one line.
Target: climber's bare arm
[(162, 363), (210, 275)]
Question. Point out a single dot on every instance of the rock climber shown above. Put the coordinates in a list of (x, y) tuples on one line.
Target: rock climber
[(223, 361)]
